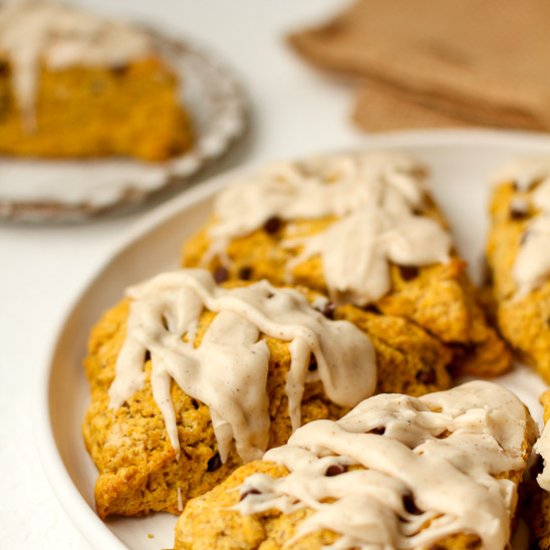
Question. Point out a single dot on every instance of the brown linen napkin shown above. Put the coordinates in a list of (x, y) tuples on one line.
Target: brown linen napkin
[(484, 62), (380, 108)]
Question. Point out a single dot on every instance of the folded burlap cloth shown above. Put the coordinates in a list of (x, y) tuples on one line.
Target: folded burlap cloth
[(440, 62)]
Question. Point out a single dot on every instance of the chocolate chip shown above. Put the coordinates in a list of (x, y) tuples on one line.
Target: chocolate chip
[(426, 375), (519, 210), (327, 309), (272, 225), (147, 356), (335, 470), (4, 68), (408, 272), (312, 367), (221, 274), (245, 273), (410, 505), (214, 463), (487, 273), (250, 492), (119, 69), (378, 431), (195, 404)]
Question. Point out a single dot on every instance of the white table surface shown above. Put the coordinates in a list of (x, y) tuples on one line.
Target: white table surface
[(42, 269)]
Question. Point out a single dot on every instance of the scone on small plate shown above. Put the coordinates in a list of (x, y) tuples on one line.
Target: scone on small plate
[(440, 471), (73, 84), (189, 380), (361, 228), (518, 256)]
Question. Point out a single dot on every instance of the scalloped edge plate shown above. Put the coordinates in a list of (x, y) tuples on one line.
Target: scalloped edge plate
[(36, 190)]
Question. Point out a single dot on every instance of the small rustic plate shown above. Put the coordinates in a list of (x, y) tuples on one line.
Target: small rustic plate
[(459, 163), (37, 190)]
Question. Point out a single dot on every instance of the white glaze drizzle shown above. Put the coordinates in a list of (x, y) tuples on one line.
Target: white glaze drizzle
[(374, 197), (60, 36), (228, 370), (532, 265), (442, 449)]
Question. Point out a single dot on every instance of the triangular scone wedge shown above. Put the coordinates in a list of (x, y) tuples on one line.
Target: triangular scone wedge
[(518, 248), (83, 86), (361, 228), (255, 348), (439, 471)]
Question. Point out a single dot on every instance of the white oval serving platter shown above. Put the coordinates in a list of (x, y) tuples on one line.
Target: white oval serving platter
[(460, 162)]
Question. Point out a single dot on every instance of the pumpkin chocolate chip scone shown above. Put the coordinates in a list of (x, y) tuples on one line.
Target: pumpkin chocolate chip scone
[(518, 256), (189, 380), (440, 471), (73, 84), (361, 228)]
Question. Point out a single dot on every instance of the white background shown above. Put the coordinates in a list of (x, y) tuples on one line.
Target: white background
[(42, 268)]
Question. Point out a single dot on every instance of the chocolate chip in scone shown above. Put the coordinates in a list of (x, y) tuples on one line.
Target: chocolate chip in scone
[(326, 307), (410, 505), (312, 367), (214, 463), (119, 69), (486, 272), (273, 224), (250, 492), (335, 470), (147, 356), (245, 273), (426, 375), (408, 272), (378, 431), (519, 209), (4, 68), (221, 274)]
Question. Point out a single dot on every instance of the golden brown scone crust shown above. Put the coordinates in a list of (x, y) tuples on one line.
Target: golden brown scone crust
[(208, 522), (525, 323), (138, 469), (133, 110), (439, 298)]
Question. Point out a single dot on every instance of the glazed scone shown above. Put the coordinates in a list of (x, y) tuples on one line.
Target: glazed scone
[(361, 228), (518, 256), (439, 472), (169, 420), (75, 85)]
